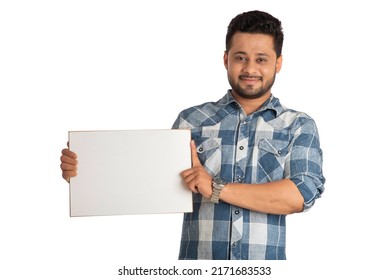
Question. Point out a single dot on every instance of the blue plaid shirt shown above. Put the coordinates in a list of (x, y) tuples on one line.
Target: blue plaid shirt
[(270, 144)]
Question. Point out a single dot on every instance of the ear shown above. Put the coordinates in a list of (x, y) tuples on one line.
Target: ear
[(278, 64), (225, 58)]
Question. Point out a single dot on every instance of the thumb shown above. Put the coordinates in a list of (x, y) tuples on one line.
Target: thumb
[(195, 158)]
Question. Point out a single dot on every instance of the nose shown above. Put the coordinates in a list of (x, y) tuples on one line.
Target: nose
[(250, 67)]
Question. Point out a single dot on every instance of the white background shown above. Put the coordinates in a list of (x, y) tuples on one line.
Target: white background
[(75, 65)]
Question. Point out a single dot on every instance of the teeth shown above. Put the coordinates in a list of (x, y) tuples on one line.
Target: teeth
[(251, 77)]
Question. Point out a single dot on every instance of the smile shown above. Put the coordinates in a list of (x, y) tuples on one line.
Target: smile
[(250, 79)]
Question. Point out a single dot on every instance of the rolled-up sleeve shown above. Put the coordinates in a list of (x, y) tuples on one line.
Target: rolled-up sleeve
[(304, 167)]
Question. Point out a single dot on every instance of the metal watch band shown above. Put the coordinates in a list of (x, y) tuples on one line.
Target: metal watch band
[(217, 186)]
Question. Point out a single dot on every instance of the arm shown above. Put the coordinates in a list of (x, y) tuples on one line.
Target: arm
[(303, 180), (281, 197)]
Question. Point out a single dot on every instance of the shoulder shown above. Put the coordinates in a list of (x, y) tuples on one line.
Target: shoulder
[(289, 115), (204, 114), (294, 119), (194, 116)]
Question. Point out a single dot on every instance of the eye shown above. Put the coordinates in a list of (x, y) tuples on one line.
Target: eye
[(240, 59), (261, 60)]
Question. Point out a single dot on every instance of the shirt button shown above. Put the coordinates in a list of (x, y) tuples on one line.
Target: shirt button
[(241, 148), (234, 244), (201, 149), (237, 212)]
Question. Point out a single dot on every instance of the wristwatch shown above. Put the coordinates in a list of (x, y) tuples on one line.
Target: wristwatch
[(217, 185)]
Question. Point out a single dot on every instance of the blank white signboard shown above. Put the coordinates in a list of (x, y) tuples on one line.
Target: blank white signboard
[(130, 172)]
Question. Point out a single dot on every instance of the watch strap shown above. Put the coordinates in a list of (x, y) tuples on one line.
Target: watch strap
[(217, 186)]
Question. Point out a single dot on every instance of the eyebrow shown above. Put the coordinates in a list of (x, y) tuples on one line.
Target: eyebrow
[(257, 54)]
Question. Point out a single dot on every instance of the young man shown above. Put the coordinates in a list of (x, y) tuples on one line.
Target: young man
[(253, 160)]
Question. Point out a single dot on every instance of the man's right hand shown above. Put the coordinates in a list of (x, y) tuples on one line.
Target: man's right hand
[(68, 164)]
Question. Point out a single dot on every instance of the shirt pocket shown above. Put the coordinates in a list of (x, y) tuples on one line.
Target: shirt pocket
[(272, 155), (209, 153), (276, 147)]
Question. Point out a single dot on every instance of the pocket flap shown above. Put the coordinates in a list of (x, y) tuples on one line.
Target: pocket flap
[(209, 144), (277, 147)]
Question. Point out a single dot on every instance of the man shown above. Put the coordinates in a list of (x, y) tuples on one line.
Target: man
[(253, 160)]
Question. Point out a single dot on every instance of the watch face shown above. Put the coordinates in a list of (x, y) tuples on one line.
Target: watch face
[(219, 181)]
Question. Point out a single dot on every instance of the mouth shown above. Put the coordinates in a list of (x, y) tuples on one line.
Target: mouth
[(249, 79)]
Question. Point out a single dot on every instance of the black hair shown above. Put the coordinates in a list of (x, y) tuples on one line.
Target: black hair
[(256, 22)]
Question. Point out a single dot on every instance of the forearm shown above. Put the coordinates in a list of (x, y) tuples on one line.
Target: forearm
[(281, 197)]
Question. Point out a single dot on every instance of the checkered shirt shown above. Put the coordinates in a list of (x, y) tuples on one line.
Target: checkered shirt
[(271, 144)]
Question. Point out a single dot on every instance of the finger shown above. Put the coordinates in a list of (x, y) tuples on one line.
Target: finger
[(68, 174), (189, 178), (69, 153), (68, 160), (195, 157), (192, 186), (68, 167), (187, 172)]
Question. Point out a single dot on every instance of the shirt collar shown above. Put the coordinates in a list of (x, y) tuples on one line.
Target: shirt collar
[(272, 103)]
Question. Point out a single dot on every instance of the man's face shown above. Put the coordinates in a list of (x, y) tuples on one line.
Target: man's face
[(252, 65)]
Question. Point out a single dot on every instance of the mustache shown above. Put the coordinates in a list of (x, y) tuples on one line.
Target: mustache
[(245, 76)]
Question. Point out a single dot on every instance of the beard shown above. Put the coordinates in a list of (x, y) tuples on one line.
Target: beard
[(250, 92)]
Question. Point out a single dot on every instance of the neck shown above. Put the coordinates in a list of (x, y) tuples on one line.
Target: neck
[(251, 105)]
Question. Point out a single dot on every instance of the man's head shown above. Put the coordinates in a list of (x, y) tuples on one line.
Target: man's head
[(253, 54), (256, 22)]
